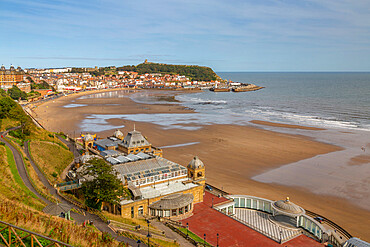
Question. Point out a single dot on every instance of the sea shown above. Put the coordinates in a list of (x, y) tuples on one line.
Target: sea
[(319, 99)]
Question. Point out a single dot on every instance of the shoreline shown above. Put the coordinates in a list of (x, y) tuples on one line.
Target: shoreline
[(248, 151), (281, 125)]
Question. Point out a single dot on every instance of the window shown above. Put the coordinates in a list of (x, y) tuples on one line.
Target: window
[(236, 200), (140, 211), (254, 204), (230, 210), (132, 212), (167, 213), (181, 211), (186, 209), (242, 203), (174, 212)]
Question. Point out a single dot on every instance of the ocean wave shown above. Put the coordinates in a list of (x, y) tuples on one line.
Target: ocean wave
[(294, 118), (199, 101)]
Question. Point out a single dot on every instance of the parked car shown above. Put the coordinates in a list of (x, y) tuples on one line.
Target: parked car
[(319, 219), (209, 188)]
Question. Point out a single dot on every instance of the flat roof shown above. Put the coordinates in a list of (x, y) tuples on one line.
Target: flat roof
[(145, 168), (166, 188)]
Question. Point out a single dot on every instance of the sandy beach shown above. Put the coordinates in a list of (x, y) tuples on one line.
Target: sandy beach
[(234, 155)]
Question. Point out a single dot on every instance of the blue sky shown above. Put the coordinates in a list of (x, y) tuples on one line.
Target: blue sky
[(227, 35)]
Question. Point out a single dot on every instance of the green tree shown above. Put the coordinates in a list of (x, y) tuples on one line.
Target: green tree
[(43, 85), (30, 79), (15, 93), (102, 184), (6, 104)]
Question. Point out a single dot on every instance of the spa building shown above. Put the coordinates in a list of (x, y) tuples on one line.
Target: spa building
[(159, 187)]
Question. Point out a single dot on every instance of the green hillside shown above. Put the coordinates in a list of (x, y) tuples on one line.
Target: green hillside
[(18, 205), (194, 72)]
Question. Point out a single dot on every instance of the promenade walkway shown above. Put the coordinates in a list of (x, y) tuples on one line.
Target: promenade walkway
[(261, 221), (206, 220)]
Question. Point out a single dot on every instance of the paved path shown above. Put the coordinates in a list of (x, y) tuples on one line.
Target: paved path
[(99, 224), (171, 234), (70, 145), (20, 166)]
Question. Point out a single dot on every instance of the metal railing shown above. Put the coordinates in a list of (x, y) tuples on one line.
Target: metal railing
[(12, 235), (330, 223), (187, 237)]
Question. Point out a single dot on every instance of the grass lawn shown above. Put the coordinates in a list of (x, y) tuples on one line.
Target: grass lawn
[(193, 235), (128, 221), (7, 123), (11, 184), (51, 158)]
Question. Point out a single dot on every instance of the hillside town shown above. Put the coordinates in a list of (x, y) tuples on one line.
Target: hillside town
[(64, 80)]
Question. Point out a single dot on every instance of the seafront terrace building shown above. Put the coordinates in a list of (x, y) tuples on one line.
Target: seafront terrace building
[(159, 187), (10, 77), (280, 220)]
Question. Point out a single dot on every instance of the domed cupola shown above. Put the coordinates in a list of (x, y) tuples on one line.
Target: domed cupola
[(2, 67), (196, 170), (286, 207), (195, 163), (118, 134), (88, 138)]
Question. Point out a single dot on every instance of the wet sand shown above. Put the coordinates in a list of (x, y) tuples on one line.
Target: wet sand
[(292, 126), (232, 154)]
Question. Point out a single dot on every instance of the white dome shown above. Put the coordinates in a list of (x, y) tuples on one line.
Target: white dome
[(286, 206), (195, 163), (88, 138), (118, 134)]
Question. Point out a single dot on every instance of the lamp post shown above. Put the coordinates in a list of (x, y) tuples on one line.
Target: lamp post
[(160, 212), (148, 232), (204, 239), (281, 232), (187, 229), (138, 243), (217, 239)]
